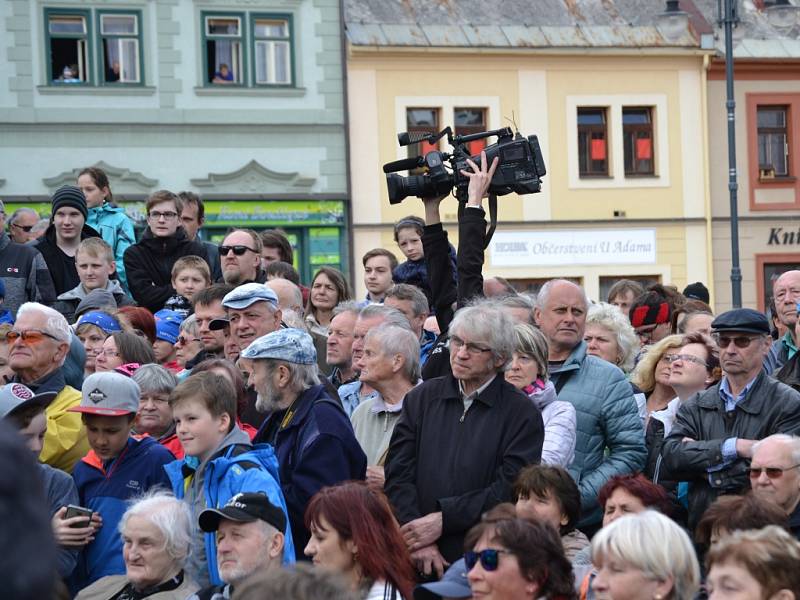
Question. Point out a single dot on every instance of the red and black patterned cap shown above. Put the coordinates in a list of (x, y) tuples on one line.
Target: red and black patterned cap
[(649, 312)]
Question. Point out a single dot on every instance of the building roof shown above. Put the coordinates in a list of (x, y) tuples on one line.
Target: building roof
[(513, 24)]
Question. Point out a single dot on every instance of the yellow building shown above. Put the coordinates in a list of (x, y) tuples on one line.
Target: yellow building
[(619, 111)]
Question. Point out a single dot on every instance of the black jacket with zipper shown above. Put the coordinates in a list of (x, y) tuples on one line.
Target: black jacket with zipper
[(148, 265), (442, 458), (61, 266)]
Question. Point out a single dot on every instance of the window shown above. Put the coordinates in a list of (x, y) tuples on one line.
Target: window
[(637, 134), (68, 46), (120, 47), (224, 59), (272, 50), (421, 120), (592, 142), (470, 120), (773, 141)]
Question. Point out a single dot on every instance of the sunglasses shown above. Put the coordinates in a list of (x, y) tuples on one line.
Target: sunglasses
[(237, 250), (184, 340), (723, 341), (25, 228), (772, 472), (30, 336), (489, 558)]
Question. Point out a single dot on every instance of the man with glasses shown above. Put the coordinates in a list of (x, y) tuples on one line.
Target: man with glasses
[(461, 440), (786, 295), (38, 345), (149, 262), (712, 439), (775, 474), (240, 254), (21, 224)]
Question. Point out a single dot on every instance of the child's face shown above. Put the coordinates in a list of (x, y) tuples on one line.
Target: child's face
[(410, 243), (93, 271), (107, 435), (188, 282), (33, 434), (92, 338), (199, 432), (164, 351)]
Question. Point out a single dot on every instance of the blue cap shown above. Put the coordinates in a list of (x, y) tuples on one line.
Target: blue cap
[(453, 584), (290, 345), (247, 294), (168, 325), (102, 320), (169, 315)]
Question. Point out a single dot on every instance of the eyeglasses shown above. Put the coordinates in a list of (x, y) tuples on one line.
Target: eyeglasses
[(646, 332), (109, 353), (490, 558), (30, 336), (25, 228), (157, 215), (723, 341), (237, 250), (772, 472), (456, 343), (671, 358), (183, 340)]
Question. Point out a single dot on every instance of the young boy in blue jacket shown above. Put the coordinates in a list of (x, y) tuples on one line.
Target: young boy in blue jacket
[(220, 462), (117, 468)]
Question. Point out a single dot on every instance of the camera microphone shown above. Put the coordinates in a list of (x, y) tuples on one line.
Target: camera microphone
[(403, 165)]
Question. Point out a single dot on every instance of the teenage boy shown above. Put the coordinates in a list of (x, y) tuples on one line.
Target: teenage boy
[(220, 462), (117, 468), (189, 276), (95, 264), (24, 411), (379, 264)]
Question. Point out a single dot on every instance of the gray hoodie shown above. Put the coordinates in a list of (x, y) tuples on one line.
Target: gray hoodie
[(71, 301), (559, 426)]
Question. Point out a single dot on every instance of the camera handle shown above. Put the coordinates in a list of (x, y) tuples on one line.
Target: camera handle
[(462, 204)]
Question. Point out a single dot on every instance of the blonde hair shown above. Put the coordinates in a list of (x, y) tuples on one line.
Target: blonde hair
[(192, 262), (96, 247), (644, 375)]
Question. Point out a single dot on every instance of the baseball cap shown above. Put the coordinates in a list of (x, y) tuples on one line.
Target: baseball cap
[(108, 394), (15, 396), (247, 294), (453, 584), (244, 508), (102, 320), (290, 345), (219, 323)]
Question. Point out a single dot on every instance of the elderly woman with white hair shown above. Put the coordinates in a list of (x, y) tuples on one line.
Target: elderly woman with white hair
[(156, 535), (645, 556), (609, 336), (188, 345)]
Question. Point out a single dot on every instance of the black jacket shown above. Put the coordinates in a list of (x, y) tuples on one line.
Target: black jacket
[(62, 267), (25, 275), (789, 373), (769, 407), (148, 265), (441, 459)]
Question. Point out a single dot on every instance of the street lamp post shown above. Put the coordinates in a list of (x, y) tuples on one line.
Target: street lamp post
[(729, 18)]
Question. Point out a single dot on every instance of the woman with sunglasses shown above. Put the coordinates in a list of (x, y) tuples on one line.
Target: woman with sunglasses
[(188, 345), (514, 559), (354, 533), (149, 262)]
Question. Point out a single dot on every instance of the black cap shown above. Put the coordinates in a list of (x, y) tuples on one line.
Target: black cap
[(696, 291), (745, 320), (244, 508), (218, 323)]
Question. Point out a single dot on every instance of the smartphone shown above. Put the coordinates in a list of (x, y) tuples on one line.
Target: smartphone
[(78, 511)]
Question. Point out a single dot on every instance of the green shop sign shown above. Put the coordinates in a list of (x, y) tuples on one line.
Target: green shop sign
[(274, 213)]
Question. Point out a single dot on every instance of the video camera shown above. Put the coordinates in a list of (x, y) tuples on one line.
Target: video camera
[(519, 170)]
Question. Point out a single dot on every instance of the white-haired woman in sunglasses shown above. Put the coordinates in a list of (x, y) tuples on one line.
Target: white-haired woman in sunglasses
[(513, 559)]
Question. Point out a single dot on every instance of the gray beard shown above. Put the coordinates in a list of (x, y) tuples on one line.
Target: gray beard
[(267, 404)]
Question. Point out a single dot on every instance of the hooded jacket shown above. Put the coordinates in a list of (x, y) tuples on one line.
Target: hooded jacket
[(106, 487), (61, 266), (116, 228), (559, 425), (67, 303), (149, 263), (25, 275), (235, 467)]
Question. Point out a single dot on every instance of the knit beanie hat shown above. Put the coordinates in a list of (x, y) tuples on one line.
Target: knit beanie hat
[(696, 291), (71, 196)]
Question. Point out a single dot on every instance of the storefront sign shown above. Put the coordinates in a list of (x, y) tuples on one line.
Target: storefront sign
[(778, 236), (573, 247)]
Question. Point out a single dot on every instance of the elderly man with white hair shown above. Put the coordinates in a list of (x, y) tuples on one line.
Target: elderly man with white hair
[(461, 440), (38, 345), (775, 474), (156, 536)]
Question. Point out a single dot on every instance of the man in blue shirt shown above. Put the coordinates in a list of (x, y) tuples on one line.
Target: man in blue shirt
[(712, 441)]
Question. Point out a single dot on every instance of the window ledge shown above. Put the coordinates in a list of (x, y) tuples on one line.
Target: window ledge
[(595, 176), (776, 180), (641, 176), (97, 90), (278, 92)]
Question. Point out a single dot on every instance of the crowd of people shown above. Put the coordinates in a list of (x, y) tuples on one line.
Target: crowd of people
[(200, 425)]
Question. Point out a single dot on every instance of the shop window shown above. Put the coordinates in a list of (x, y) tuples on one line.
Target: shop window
[(606, 283), (421, 121), (68, 46), (224, 60), (592, 142), (637, 136), (470, 120), (272, 50), (120, 44), (773, 141)]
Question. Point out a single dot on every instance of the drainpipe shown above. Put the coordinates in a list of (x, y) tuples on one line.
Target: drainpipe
[(346, 108), (707, 180)]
